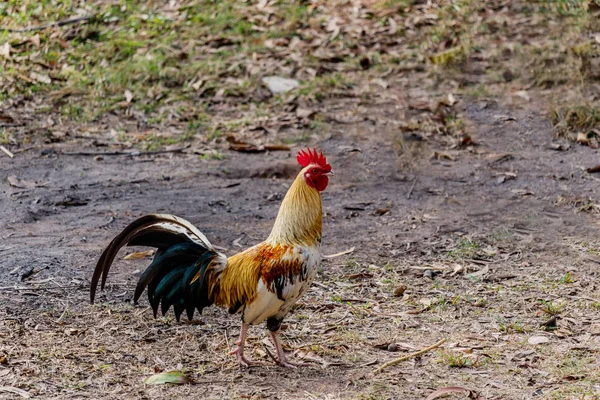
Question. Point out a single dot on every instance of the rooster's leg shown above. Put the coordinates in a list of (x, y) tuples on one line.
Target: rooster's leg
[(239, 351), (281, 360)]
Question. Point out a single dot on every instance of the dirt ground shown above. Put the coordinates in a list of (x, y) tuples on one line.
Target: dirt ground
[(506, 215), (487, 237)]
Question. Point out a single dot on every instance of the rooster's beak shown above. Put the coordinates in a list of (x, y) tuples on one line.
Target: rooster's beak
[(330, 173)]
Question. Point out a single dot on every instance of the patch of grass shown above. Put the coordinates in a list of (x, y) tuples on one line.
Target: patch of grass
[(353, 265), (455, 359), (154, 142), (205, 53), (5, 137), (572, 8), (321, 86), (393, 4), (389, 267), (161, 56), (480, 91), (552, 308), (465, 248), (567, 278), (213, 155), (511, 327), (452, 56), (570, 120), (581, 204)]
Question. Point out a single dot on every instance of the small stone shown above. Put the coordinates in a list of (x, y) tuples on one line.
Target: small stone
[(428, 273), (277, 84), (392, 347), (535, 340)]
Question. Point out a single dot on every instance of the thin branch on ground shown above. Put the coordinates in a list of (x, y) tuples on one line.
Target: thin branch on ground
[(409, 356), (411, 189), (7, 152), (124, 153), (63, 22)]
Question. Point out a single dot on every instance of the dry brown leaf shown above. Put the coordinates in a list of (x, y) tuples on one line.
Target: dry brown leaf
[(40, 78), (582, 138), (458, 268), (438, 155), (449, 100), (523, 94), (244, 147), (399, 291), (23, 184), (139, 255), (479, 273), (5, 50), (35, 40), (304, 112), (174, 377), (467, 140), (14, 390), (427, 302), (453, 389), (128, 96)]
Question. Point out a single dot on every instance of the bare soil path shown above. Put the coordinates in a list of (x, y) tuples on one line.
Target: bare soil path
[(509, 229)]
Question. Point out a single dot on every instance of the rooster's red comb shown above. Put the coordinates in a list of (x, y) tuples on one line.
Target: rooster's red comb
[(306, 157)]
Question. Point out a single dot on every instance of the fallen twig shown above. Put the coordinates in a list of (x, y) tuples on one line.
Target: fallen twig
[(62, 316), (453, 389), (341, 253), (411, 189), (321, 285), (585, 298), (63, 22), (15, 390), (124, 153), (429, 268), (24, 149), (417, 312), (408, 356), (7, 152)]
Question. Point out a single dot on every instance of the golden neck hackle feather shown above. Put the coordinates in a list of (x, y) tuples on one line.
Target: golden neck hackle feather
[(299, 220)]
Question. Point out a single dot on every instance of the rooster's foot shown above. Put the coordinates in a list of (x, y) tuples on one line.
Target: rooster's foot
[(242, 360), (289, 364), (282, 361)]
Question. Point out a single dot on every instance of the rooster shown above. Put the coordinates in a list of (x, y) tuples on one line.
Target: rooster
[(262, 283)]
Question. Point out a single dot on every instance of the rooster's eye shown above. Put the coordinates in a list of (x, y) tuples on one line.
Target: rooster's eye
[(314, 171)]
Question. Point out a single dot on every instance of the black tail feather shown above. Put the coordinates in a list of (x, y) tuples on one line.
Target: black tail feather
[(183, 253), (164, 262)]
